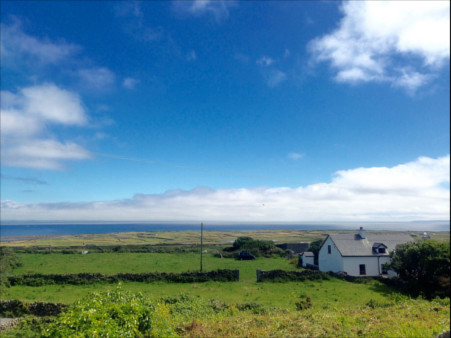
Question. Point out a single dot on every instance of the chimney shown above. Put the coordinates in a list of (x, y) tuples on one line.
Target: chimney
[(362, 233)]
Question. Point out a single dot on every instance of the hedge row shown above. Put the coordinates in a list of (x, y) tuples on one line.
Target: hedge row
[(134, 248), (283, 276), (17, 308), (90, 278)]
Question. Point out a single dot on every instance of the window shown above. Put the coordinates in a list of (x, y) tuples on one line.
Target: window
[(329, 249), (381, 250), (362, 269), (383, 269)]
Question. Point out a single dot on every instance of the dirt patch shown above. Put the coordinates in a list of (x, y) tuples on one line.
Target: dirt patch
[(8, 323)]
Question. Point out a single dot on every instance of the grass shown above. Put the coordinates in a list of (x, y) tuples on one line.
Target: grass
[(113, 263), (283, 295)]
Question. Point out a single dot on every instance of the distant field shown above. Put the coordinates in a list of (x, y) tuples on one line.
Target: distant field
[(192, 237)]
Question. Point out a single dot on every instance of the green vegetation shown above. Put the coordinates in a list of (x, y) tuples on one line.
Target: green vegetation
[(120, 312), (39, 279), (245, 308), (8, 261), (425, 266), (314, 247), (256, 247)]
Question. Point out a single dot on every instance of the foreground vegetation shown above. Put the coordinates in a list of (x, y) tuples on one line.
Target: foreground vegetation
[(120, 313)]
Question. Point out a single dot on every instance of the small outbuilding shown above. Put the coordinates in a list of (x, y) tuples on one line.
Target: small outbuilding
[(295, 247), (306, 259)]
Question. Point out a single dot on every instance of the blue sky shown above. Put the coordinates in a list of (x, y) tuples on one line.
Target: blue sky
[(225, 111)]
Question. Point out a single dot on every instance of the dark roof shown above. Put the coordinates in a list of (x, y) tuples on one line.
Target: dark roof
[(307, 254), (296, 247), (353, 245)]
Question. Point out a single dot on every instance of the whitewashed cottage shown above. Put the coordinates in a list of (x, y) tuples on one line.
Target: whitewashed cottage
[(359, 254)]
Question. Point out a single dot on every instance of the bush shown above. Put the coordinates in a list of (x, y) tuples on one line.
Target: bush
[(8, 261), (255, 247), (304, 303), (113, 314), (424, 266)]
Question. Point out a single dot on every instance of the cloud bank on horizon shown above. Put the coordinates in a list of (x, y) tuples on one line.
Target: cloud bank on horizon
[(417, 190)]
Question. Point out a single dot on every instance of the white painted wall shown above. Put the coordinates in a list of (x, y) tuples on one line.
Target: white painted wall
[(309, 260), (351, 265), (330, 262), (372, 265)]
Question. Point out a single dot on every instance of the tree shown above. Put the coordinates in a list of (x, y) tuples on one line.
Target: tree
[(314, 247), (425, 266), (8, 261)]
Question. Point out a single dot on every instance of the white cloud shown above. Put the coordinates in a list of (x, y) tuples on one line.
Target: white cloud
[(265, 61), (375, 41), (15, 43), (218, 9), (25, 117), (295, 156), (130, 82), (410, 191), (129, 8), (275, 77), (98, 78)]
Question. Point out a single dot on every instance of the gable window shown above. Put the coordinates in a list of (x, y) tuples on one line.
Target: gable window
[(381, 250), (362, 269), (329, 249)]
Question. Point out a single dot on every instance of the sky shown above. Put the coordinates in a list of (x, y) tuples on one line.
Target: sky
[(259, 111)]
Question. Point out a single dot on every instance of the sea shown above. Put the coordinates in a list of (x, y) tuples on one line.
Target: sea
[(18, 231)]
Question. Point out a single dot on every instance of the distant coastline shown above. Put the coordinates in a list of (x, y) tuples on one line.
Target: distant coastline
[(12, 230)]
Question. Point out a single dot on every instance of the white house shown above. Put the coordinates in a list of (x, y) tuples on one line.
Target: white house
[(359, 254), (306, 258)]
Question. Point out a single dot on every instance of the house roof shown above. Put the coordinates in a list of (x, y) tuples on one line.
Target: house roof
[(307, 254), (353, 245), (296, 247)]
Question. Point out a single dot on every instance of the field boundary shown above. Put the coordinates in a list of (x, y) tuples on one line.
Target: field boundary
[(147, 277)]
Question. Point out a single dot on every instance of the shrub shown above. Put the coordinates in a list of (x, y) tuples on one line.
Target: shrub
[(424, 266), (8, 261), (304, 303), (115, 314)]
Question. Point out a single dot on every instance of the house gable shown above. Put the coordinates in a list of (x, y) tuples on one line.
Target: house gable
[(330, 257)]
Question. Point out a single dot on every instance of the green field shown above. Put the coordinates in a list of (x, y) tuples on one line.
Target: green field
[(246, 290), (268, 309)]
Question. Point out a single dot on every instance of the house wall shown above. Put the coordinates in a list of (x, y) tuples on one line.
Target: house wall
[(309, 260), (330, 262), (372, 265)]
